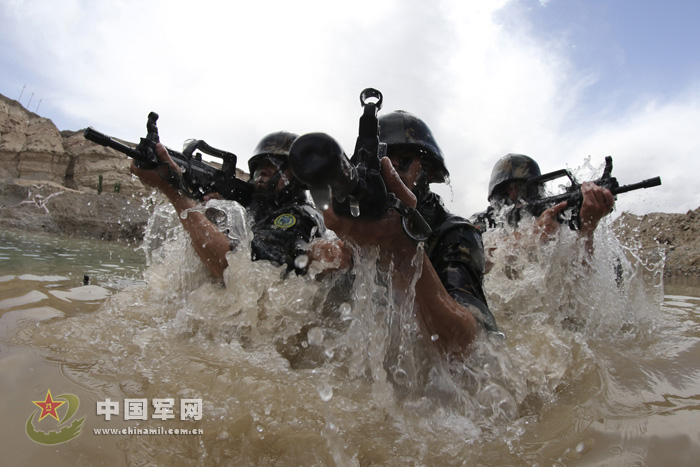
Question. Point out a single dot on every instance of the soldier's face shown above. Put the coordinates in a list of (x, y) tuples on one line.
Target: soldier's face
[(517, 191), (264, 172), (512, 191), (407, 165)]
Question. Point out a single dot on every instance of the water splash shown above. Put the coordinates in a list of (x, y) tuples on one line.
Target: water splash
[(307, 369), (325, 391)]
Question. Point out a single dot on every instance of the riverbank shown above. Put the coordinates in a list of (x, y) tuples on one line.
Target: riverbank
[(675, 236), (43, 206)]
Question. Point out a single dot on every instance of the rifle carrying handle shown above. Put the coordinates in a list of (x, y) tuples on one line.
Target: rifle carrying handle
[(371, 93)]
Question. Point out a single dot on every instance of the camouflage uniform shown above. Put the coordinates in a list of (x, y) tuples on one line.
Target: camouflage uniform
[(282, 227), (283, 222), (456, 252), (454, 247)]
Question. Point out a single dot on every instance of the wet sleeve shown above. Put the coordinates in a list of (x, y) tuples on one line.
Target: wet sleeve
[(459, 262)]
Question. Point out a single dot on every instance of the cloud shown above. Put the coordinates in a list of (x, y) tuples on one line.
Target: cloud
[(232, 72), (653, 138), (512, 92)]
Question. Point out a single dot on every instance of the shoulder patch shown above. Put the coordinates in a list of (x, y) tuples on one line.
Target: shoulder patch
[(285, 221)]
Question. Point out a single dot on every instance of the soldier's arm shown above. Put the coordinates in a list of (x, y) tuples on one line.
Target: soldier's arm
[(438, 312), (210, 244)]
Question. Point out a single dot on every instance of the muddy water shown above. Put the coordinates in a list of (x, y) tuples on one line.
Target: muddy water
[(600, 365)]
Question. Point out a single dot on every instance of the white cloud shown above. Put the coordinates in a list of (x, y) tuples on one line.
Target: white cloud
[(231, 72), (520, 95), (653, 139)]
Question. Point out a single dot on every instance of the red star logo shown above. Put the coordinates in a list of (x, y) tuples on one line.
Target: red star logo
[(49, 406)]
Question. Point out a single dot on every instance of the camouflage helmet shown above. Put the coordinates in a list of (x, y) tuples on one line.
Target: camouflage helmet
[(509, 168), (400, 128), (275, 145)]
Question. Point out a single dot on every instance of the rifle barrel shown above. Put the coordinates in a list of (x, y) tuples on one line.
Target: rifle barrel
[(648, 183), (104, 140)]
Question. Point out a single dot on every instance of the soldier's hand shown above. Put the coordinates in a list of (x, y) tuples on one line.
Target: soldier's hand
[(330, 254), (157, 177), (547, 224), (597, 203), (387, 232)]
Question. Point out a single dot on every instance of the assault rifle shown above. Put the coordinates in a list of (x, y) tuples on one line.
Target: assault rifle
[(573, 195), (198, 178), (354, 185)]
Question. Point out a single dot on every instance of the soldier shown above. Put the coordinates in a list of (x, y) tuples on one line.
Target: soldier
[(282, 220), (448, 293), (508, 187)]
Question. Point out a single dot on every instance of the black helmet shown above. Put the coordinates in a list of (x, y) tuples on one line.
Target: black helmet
[(509, 168), (400, 128), (274, 145)]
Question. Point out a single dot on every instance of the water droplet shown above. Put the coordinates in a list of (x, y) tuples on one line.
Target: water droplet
[(322, 197), (355, 208), (332, 426), (361, 293), (315, 336), (325, 391), (434, 337), (345, 310), (301, 261), (400, 376), (616, 449)]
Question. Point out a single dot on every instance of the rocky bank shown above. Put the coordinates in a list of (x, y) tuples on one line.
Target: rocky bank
[(58, 182), (675, 236)]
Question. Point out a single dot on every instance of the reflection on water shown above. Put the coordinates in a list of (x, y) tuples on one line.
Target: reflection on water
[(599, 367)]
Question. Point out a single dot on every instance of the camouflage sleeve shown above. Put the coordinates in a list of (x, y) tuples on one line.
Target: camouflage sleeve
[(459, 261)]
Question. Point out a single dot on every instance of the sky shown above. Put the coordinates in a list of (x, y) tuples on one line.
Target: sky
[(566, 82)]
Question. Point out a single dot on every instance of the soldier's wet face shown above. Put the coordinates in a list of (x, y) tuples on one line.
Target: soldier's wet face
[(516, 190), (407, 163), (265, 175)]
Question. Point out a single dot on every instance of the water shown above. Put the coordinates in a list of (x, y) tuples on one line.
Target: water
[(600, 365)]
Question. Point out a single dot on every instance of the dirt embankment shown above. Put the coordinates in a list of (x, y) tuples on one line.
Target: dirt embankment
[(43, 206), (59, 182), (677, 236)]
